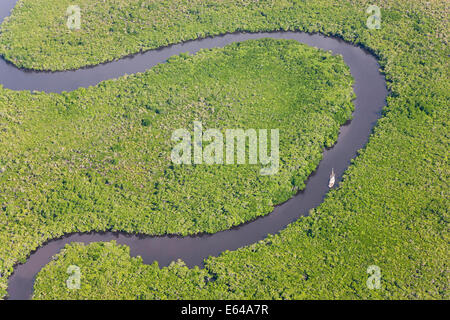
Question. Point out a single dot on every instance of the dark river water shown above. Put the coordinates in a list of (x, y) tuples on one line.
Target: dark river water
[(371, 92)]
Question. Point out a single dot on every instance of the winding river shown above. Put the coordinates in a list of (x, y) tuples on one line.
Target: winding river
[(369, 87)]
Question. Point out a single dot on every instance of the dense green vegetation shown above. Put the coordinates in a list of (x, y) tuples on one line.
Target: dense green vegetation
[(391, 210), (36, 35), (99, 158), (108, 267)]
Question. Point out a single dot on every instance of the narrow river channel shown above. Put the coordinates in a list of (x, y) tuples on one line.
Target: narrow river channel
[(369, 87)]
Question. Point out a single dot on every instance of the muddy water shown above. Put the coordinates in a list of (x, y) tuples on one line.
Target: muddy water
[(370, 89)]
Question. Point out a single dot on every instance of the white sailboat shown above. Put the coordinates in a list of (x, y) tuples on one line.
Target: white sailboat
[(332, 179)]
